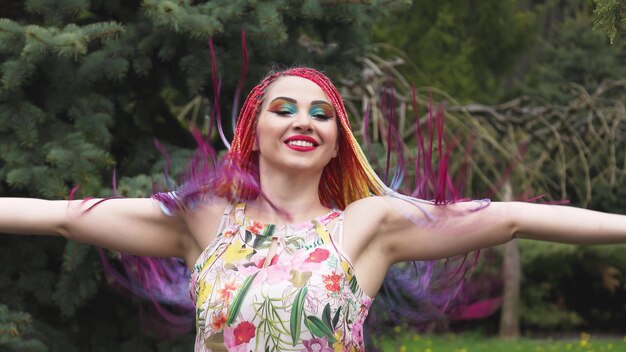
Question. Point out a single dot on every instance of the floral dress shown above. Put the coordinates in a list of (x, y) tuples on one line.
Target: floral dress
[(262, 287)]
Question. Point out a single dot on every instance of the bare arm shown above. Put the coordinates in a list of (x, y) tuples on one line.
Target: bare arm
[(135, 226), (457, 230)]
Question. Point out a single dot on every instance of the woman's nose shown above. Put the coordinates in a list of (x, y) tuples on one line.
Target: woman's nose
[(302, 121)]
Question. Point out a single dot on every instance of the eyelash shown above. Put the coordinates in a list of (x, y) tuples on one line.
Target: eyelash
[(321, 117), (283, 112), (316, 116)]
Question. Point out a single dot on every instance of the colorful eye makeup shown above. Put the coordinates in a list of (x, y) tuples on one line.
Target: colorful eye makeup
[(283, 106), (320, 110)]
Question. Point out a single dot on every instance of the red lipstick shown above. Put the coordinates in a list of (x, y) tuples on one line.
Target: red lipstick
[(301, 148)]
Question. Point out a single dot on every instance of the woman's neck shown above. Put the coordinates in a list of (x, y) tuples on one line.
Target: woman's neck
[(288, 197)]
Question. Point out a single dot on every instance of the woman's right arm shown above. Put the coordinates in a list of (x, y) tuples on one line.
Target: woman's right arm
[(130, 225)]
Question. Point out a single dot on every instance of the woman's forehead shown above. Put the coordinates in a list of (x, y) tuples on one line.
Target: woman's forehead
[(300, 89)]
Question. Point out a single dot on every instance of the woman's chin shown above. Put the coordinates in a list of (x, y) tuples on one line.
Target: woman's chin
[(293, 165)]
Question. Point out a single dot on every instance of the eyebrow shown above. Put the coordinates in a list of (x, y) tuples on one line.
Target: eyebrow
[(291, 100), (284, 98), (320, 102)]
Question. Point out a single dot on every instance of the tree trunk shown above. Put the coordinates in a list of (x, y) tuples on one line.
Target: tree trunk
[(509, 315)]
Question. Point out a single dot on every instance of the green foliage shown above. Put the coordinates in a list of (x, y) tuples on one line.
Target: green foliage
[(609, 16), (465, 48), (14, 331), (574, 55), (85, 86), (76, 278), (582, 287), (406, 340), (568, 286)]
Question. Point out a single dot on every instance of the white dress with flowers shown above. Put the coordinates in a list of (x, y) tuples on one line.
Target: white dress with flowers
[(304, 297)]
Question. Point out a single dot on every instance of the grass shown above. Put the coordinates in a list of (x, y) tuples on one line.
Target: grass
[(412, 342)]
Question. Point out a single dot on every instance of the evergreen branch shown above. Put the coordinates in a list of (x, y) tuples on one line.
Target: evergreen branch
[(609, 16), (75, 288), (15, 73), (56, 11), (103, 30), (7, 25), (74, 255), (71, 42), (182, 19), (11, 35), (12, 328)]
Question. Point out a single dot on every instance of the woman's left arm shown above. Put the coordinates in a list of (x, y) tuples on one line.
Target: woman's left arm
[(445, 231)]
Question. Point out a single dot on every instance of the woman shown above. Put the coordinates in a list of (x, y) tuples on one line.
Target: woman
[(275, 257)]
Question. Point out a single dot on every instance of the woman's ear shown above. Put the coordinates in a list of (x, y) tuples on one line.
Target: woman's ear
[(336, 151)]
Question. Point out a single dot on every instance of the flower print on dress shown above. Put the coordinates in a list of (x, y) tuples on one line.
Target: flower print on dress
[(236, 251), (318, 255), (303, 264), (303, 261), (236, 339), (338, 346), (218, 321), (274, 273), (204, 290), (255, 227), (226, 292), (267, 289), (333, 282), (229, 232), (317, 345), (357, 331)]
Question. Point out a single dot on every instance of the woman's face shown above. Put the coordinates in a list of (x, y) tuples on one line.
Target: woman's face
[(297, 128)]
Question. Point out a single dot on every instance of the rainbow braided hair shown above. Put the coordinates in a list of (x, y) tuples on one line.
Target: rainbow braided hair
[(417, 293), (347, 177)]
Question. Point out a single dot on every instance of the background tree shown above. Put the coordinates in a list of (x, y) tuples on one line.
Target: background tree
[(609, 16), (86, 85), (563, 78), (466, 48), (575, 67), (84, 88), (517, 150)]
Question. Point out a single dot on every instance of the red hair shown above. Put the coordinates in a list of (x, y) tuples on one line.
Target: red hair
[(346, 178)]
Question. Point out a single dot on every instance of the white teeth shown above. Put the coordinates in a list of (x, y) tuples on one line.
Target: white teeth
[(300, 143)]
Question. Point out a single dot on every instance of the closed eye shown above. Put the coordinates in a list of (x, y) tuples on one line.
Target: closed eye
[(321, 112), (321, 117), (284, 112), (283, 107)]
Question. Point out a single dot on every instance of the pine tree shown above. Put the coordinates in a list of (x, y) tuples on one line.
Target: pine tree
[(573, 55), (466, 48), (13, 325), (85, 86), (609, 15)]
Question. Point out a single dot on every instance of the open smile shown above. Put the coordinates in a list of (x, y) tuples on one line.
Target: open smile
[(301, 143)]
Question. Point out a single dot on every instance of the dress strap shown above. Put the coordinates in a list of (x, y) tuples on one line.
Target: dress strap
[(337, 233), (224, 220), (240, 215), (325, 219), (328, 240)]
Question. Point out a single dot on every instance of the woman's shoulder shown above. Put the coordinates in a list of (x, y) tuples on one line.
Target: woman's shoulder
[(369, 209), (381, 208), (203, 220), (209, 207), (364, 203), (383, 203)]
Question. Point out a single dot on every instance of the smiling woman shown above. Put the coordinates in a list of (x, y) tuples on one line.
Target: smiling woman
[(296, 130), (290, 239)]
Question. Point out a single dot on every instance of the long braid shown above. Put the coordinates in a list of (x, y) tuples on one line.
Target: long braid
[(347, 178)]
